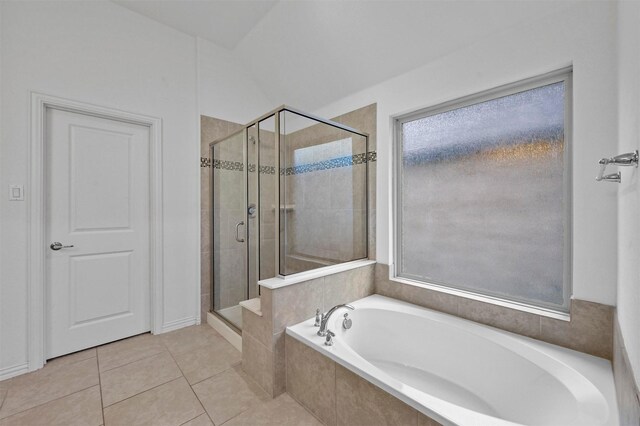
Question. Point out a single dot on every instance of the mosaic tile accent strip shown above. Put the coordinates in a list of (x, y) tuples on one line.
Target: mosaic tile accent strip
[(346, 161), (267, 170), (228, 165)]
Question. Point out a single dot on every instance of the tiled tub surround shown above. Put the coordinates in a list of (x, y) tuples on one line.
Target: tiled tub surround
[(338, 396), (421, 357), (263, 334), (589, 330), (627, 390)]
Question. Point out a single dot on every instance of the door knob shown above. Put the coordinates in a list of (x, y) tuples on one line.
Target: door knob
[(58, 246)]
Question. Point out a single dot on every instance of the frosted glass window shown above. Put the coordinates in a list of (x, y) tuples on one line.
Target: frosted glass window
[(483, 196)]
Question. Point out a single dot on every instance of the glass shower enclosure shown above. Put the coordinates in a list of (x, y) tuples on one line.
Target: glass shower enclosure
[(289, 194)]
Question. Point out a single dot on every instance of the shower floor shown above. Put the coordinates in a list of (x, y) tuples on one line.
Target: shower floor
[(233, 314)]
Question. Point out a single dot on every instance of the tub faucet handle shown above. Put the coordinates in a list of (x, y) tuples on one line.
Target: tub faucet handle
[(346, 322), (319, 317), (324, 323), (329, 339)]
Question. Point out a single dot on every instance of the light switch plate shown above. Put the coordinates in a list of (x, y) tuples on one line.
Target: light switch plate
[(16, 193)]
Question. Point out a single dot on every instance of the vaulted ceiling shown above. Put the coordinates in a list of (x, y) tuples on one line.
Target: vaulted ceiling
[(310, 53)]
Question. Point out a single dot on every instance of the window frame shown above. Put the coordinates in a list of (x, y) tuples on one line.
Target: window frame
[(546, 309)]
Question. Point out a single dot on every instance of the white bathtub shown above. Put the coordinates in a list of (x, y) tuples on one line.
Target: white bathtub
[(460, 372)]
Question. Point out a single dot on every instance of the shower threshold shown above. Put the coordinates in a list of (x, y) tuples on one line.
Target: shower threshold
[(232, 315)]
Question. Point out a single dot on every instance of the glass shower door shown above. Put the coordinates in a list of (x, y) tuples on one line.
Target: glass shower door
[(229, 209)]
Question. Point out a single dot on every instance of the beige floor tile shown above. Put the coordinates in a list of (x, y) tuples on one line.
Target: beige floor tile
[(74, 357), (49, 383), (189, 338), (281, 411), (81, 408), (4, 387), (136, 377), (426, 421), (205, 361), (129, 350), (202, 420), (228, 394), (173, 403)]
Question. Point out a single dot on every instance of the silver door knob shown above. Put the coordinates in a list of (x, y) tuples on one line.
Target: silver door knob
[(58, 246)]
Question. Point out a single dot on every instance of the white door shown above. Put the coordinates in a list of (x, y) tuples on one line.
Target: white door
[(98, 203)]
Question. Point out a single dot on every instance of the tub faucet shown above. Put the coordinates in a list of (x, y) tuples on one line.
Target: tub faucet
[(325, 318)]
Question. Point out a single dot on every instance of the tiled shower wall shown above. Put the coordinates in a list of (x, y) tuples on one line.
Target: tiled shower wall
[(211, 129), (228, 210), (326, 182), (325, 194), (365, 119)]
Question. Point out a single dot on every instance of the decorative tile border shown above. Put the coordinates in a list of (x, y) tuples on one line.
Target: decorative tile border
[(228, 165), (267, 170), (333, 163)]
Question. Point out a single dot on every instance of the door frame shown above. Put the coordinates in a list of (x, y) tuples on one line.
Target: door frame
[(37, 246)]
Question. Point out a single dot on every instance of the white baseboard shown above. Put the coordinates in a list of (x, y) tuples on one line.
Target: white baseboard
[(176, 324), (225, 331), (14, 370)]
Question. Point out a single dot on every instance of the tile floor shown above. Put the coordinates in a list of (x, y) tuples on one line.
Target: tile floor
[(190, 376)]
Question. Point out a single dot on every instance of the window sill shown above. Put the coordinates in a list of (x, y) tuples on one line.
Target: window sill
[(562, 316)]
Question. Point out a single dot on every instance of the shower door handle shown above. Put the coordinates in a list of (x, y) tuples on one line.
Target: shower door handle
[(238, 239)]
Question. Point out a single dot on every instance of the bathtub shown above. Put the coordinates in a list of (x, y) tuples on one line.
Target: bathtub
[(463, 373)]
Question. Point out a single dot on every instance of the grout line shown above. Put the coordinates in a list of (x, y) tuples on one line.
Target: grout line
[(260, 405), (143, 391), (4, 396), (55, 399), (53, 360), (191, 387), (136, 360), (230, 367), (140, 393), (160, 384), (100, 384), (304, 407), (199, 415)]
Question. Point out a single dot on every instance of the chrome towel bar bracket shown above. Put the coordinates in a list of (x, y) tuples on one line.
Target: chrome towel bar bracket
[(628, 159)]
